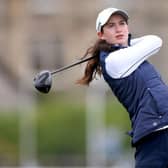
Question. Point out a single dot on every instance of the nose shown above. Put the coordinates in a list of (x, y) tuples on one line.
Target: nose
[(118, 28)]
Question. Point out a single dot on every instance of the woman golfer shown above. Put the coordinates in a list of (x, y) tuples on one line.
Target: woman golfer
[(135, 82)]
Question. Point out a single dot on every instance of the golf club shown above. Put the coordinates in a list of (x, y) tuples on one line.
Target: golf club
[(43, 80)]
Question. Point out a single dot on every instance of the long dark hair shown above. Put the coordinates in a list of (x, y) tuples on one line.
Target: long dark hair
[(93, 66)]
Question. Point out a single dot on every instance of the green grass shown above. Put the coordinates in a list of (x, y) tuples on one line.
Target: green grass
[(116, 115), (9, 137), (61, 126)]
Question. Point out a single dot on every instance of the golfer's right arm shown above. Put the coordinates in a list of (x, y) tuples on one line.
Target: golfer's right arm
[(123, 62)]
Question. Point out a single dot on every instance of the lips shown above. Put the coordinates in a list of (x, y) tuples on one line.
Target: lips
[(120, 36)]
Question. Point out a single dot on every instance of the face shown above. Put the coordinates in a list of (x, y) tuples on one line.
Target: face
[(115, 31)]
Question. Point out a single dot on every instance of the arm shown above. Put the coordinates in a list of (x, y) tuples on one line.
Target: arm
[(123, 62)]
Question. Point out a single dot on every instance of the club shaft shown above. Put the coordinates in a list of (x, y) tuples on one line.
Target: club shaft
[(71, 65)]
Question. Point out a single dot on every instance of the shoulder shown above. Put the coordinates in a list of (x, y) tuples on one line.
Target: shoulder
[(103, 55)]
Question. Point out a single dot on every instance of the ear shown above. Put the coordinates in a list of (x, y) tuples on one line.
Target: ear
[(100, 35)]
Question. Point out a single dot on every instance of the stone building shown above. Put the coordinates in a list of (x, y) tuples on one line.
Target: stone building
[(48, 34)]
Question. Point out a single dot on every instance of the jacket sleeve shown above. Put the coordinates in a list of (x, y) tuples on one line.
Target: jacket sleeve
[(123, 62)]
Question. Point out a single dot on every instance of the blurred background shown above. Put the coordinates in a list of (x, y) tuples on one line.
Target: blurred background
[(72, 126)]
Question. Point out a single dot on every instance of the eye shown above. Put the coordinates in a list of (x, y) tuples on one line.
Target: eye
[(111, 24), (122, 22)]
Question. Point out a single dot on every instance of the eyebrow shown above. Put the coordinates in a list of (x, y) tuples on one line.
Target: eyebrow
[(110, 22), (122, 20)]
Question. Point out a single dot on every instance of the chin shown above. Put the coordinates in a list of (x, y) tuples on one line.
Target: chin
[(121, 42)]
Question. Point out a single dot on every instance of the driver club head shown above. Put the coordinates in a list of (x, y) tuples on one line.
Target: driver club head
[(43, 81)]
